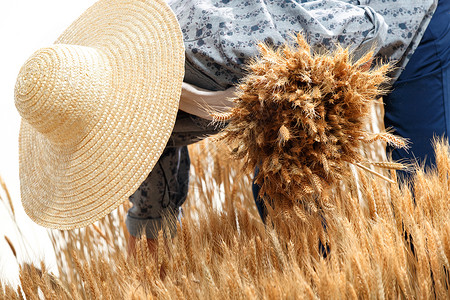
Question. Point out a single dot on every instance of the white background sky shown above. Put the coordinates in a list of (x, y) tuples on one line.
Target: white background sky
[(25, 26)]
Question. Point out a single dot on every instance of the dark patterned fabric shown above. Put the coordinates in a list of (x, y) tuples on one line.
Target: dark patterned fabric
[(189, 129), (161, 194)]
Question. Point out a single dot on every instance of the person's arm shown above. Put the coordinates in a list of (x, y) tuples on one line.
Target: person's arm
[(201, 102)]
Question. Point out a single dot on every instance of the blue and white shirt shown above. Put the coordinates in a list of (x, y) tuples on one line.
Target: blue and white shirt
[(220, 35)]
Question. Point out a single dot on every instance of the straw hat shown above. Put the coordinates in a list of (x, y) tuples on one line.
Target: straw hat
[(97, 110)]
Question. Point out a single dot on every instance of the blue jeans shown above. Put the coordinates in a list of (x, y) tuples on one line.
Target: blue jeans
[(418, 108)]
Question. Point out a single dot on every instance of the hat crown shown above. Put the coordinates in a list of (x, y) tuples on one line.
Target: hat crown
[(58, 90)]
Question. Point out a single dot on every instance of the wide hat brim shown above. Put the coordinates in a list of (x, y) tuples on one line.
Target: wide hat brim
[(71, 185)]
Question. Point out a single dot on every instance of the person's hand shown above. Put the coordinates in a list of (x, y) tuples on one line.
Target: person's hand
[(366, 66)]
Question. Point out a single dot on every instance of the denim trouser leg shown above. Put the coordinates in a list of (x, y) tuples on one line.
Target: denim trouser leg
[(262, 210)]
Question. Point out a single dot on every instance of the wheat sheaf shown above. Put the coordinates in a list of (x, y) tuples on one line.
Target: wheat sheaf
[(300, 117)]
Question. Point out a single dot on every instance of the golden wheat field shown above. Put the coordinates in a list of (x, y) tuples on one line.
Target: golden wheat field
[(342, 227), (382, 244)]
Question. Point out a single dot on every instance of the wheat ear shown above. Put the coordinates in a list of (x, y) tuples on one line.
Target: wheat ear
[(373, 172)]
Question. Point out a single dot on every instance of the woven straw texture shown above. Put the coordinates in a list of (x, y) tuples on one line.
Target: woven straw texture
[(97, 110)]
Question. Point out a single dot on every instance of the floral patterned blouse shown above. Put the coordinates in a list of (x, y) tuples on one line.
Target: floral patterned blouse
[(220, 35)]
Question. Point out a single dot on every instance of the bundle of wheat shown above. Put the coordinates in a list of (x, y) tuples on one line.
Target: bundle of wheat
[(301, 118)]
